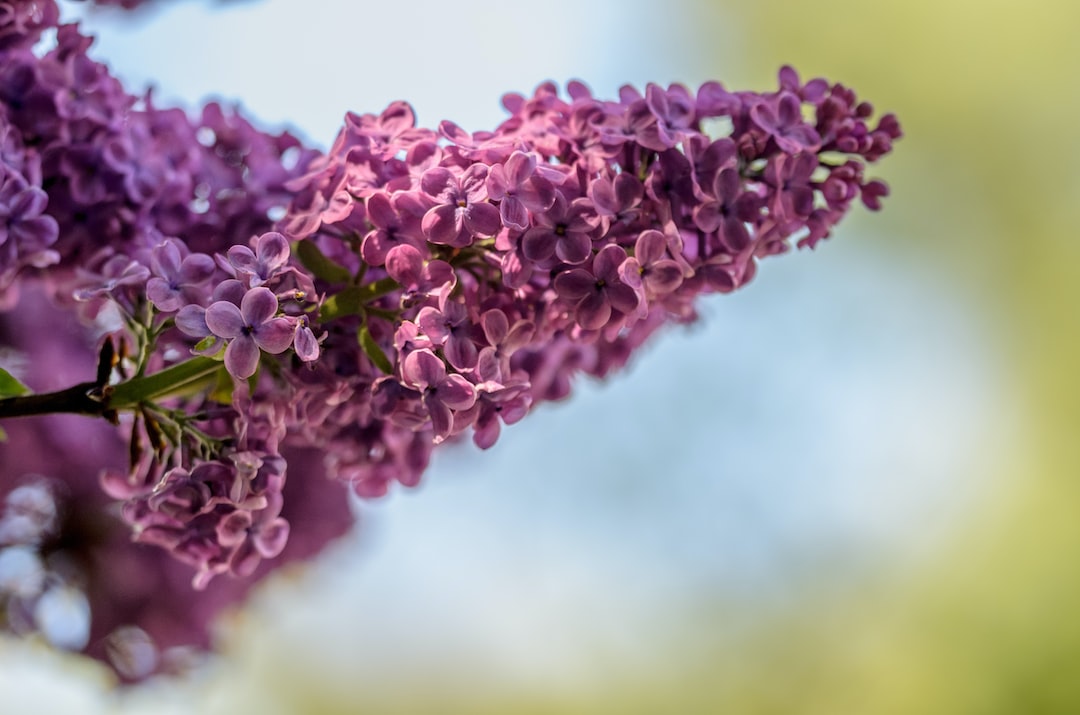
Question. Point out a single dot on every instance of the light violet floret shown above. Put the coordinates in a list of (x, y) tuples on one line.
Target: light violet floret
[(250, 328), (442, 394), (461, 211), (519, 189), (266, 261), (596, 294), (450, 328), (178, 275)]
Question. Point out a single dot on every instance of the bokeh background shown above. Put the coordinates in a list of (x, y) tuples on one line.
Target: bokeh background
[(851, 488)]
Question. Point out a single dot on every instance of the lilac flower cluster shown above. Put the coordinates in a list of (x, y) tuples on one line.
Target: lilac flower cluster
[(418, 285), (510, 260)]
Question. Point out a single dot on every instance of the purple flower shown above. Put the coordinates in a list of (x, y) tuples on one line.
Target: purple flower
[(442, 394), (461, 211), (176, 275), (783, 121), (304, 342), (504, 340), (451, 329), (727, 208), (674, 111), (494, 402), (253, 536), (563, 231), (26, 234), (266, 261), (595, 294), (649, 271), (250, 328), (420, 279), (396, 221), (617, 198), (790, 178), (519, 189)]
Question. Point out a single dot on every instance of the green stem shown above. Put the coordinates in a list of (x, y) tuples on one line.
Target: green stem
[(90, 398), (169, 381)]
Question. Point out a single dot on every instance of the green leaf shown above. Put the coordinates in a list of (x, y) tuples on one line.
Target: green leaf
[(373, 351), (182, 377), (9, 386), (351, 300), (321, 267), (348, 302)]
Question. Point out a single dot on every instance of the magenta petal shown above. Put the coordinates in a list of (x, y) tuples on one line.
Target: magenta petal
[(232, 530), (305, 345), (165, 259), (622, 298), (29, 202), (593, 311), (271, 538), (790, 109), (440, 273), (245, 560), (520, 335), (258, 306), (520, 167), (433, 323), (161, 294), (196, 268), (664, 277), (191, 320), (241, 257), (339, 208), (495, 325), (273, 249), (630, 272), (607, 262), (573, 248), (461, 352), (380, 212), (538, 194), (764, 116), (707, 216), (488, 366), (482, 219), (487, 434), (650, 247), (438, 182), (457, 393), (274, 336), (538, 244), (497, 182), (224, 320), (405, 264), (422, 369), (442, 419), (242, 357), (441, 224), (474, 183), (514, 214), (576, 283)]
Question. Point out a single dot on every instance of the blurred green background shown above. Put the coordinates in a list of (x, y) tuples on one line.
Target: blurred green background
[(980, 617)]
